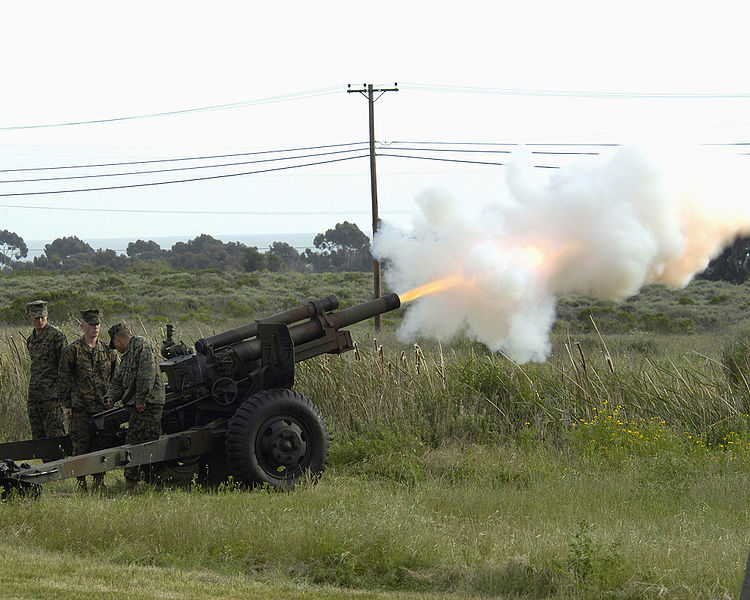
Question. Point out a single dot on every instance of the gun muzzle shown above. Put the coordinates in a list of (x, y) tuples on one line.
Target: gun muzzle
[(301, 333)]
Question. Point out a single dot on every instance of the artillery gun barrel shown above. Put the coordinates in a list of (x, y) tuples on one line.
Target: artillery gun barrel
[(251, 329), (301, 333)]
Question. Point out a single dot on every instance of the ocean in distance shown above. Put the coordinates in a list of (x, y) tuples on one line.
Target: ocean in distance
[(263, 241)]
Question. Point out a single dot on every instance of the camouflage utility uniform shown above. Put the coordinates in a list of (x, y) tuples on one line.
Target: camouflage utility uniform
[(83, 378), (45, 411), (138, 381)]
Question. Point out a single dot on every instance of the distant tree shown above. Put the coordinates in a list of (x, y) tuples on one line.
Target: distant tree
[(202, 243), (149, 250), (274, 263), (67, 246), (204, 252), (12, 247), (732, 265), (344, 236), (108, 258), (235, 249), (343, 248), (290, 258), (254, 260), (68, 253), (43, 262)]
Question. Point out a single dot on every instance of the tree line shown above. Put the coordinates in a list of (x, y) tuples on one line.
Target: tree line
[(343, 248)]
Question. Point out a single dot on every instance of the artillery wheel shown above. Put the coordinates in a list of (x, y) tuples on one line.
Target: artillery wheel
[(181, 473), (208, 469), (277, 437), (213, 469)]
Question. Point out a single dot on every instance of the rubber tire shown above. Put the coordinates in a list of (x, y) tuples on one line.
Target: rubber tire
[(270, 419), (213, 469), (181, 473)]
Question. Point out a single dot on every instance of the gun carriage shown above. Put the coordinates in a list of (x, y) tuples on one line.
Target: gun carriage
[(230, 408)]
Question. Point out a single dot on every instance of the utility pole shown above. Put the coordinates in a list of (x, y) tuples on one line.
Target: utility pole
[(368, 91)]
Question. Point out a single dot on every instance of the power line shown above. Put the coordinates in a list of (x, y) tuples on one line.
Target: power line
[(161, 160), (464, 143), (566, 153), (426, 87), (443, 143), (456, 160), (283, 158), (152, 171), (414, 86), (458, 150), (536, 144), (223, 176), (473, 162), (125, 249), (269, 100), (383, 145), (136, 185), (204, 212), (384, 149), (388, 147), (389, 152)]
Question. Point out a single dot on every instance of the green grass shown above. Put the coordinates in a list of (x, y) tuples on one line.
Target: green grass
[(502, 521), (30, 575)]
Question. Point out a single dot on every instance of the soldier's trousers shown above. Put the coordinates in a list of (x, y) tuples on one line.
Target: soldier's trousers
[(83, 432), (45, 418), (85, 439), (144, 427)]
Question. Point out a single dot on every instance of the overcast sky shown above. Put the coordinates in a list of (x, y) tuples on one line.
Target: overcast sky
[(492, 72)]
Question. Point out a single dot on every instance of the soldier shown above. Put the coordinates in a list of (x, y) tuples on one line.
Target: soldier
[(139, 384), (86, 368), (45, 345)]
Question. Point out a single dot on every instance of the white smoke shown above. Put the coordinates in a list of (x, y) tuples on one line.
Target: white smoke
[(603, 226)]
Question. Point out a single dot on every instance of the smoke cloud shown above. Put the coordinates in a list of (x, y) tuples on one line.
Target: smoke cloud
[(603, 226)]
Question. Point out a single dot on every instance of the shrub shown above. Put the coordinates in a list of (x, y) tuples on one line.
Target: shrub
[(659, 322), (736, 361)]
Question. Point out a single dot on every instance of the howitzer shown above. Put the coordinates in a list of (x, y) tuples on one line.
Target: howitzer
[(230, 409)]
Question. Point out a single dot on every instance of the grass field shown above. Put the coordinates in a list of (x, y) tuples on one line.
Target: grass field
[(618, 468), (501, 521)]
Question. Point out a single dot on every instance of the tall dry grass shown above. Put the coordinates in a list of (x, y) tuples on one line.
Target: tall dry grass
[(465, 395), (14, 385)]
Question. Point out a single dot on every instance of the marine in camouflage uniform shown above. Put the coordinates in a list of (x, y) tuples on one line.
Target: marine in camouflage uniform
[(45, 345), (139, 384), (86, 368)]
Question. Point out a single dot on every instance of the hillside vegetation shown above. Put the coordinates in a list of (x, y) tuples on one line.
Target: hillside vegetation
[(156, 294)]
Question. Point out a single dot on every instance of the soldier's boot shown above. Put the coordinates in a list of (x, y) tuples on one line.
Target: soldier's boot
[(81, 486), (98, 487)]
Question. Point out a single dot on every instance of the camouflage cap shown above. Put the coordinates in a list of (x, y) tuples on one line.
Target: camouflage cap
[(113, 331), (92, 316), (37, 308)]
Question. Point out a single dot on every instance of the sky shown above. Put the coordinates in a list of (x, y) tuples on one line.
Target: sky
[(470, 72)]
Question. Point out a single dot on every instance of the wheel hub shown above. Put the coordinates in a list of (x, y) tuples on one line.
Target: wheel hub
[(283, 444)]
